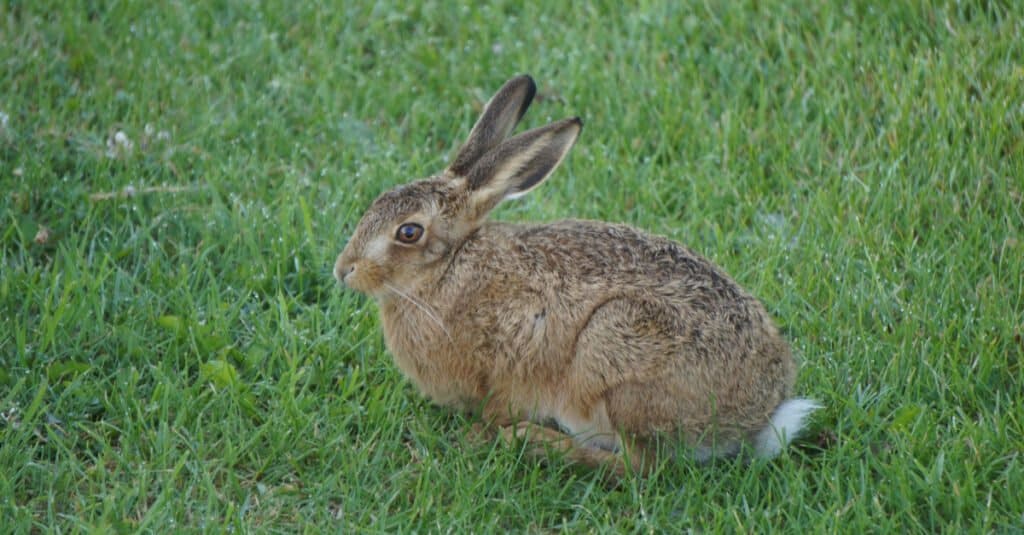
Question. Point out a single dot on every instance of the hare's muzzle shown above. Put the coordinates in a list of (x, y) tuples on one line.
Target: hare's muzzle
[(343, 268)]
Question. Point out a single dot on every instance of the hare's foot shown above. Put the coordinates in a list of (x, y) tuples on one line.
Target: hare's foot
[(542, 440)]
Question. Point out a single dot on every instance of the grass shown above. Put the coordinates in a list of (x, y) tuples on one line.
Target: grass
[(181, 358)]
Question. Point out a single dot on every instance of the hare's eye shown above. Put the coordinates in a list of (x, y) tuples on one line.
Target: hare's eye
[(409, 233)]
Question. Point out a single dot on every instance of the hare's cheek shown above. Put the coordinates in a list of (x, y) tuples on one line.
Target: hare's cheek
[(377, 250)]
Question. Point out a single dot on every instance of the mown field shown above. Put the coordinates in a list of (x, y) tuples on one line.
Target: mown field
[(178, 177)]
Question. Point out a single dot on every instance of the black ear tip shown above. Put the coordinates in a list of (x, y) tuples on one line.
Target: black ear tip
[(572, 123), (531, 86), (526, 79)]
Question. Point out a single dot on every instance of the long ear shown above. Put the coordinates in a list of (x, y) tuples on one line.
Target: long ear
[(500, 116), (519, 164)]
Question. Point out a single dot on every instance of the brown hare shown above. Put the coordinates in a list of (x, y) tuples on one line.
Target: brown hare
[(614, 336)]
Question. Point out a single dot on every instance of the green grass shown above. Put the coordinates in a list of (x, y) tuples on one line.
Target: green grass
[(182, 358)]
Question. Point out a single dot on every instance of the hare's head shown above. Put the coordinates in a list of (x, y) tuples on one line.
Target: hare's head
[(408, 233)]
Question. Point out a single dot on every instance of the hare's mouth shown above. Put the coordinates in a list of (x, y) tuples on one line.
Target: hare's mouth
[(343, 267), (354, 279), (363, 277), (346, 272)]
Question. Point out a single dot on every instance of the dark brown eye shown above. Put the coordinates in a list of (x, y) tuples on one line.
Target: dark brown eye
[(409, 233)]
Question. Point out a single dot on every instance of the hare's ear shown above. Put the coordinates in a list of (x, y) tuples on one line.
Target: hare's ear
[(500, 116), (519, 164)]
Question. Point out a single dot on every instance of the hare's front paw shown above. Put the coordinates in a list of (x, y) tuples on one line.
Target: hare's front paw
[(480, 433), (540, 437)]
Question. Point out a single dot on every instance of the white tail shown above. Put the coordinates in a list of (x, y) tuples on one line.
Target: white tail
[(786, 423)]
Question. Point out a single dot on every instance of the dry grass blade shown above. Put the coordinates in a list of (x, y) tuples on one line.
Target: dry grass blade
[(130, 191)]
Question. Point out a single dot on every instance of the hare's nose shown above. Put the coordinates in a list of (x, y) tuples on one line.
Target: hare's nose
[(342, 269)]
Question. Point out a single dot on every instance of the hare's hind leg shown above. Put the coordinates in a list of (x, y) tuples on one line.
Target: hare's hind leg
[(542, 440), (638, 356)]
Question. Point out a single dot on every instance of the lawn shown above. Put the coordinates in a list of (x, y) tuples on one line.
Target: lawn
[(177, 178)]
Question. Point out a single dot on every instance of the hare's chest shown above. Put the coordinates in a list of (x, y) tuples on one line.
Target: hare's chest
[(429, 359)]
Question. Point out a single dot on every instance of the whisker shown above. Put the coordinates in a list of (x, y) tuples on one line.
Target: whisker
[(422, 306)]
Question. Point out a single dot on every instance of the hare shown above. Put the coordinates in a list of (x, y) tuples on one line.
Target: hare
[(595, 339)]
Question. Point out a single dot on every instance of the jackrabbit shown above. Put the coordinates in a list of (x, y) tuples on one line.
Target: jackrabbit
[(615, 336)]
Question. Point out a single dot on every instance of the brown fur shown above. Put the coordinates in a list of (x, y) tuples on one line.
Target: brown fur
[(615, 335)]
